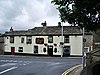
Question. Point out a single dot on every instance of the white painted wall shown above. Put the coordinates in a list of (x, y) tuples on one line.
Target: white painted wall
[(56, 40), (17, 43), (75, 45)]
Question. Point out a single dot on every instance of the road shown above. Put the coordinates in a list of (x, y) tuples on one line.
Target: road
[(23, 65)]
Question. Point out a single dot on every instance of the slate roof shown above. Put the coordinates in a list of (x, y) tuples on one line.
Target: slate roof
[(56, 30), (48, 30)]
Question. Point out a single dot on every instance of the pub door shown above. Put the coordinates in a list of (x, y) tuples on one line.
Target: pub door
[(50, 50), (12, 50)]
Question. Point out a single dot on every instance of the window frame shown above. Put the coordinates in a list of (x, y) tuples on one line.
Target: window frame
[(12, 39), (44, 50), (35, 49), (50, 39), (20, 49), (22, 39), (55, 50), (67, 49), (66, 39), (29, 39)]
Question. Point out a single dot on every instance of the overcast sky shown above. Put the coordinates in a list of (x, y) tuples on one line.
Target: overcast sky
[(26, 14)]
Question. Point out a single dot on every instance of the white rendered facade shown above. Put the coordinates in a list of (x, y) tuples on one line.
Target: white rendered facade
[(75, 45)]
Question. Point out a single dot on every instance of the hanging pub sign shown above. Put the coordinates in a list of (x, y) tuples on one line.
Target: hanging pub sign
[(39, 40)]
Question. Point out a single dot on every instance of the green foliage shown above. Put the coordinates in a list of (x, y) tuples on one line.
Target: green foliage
[(84, 13)]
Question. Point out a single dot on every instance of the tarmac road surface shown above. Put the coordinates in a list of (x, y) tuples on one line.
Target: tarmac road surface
[(23, 65)]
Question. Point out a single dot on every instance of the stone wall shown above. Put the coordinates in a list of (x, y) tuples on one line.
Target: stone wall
[(1, 45)]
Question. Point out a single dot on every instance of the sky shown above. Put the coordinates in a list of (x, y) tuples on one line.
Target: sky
[(27, 14)]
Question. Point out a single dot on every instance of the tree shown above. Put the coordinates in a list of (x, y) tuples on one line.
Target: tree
[(84, 13)]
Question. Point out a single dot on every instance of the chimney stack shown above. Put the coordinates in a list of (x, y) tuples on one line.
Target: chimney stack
[(59, 24), (11, 29), (44, 24)]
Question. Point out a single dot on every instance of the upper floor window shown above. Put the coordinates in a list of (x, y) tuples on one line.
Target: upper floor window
[(66, 39), (29, 39), (50, 39), (11, 39), (22, 40)]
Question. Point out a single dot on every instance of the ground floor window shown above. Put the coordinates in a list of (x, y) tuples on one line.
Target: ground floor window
[(66, 51), (20, 49), (55, 50), (44, 49), (35, 49)]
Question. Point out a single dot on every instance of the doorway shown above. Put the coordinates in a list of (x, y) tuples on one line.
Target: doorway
[(50, 50), (66, 51), (12, 50)]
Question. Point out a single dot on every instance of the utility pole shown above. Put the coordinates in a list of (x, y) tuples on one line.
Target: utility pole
[(62, 38), (83, 58)]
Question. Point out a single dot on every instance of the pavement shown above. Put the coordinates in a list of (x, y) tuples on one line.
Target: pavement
[(76, 70)]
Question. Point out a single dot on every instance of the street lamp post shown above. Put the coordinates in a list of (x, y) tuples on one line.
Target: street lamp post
[(62, 40)]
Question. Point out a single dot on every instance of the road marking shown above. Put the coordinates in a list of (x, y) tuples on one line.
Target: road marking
[(69, 70), (12, 68), (15, 61), (8, 64), (54, 63)]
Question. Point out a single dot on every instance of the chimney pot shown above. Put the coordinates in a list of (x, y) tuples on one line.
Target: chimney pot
[(44, 24), (59, 24)]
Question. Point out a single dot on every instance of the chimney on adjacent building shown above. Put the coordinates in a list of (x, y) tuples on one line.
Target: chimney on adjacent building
[(44, 24), (59, 24)]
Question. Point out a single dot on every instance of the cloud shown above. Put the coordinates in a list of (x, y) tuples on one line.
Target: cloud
[(26, 14)]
